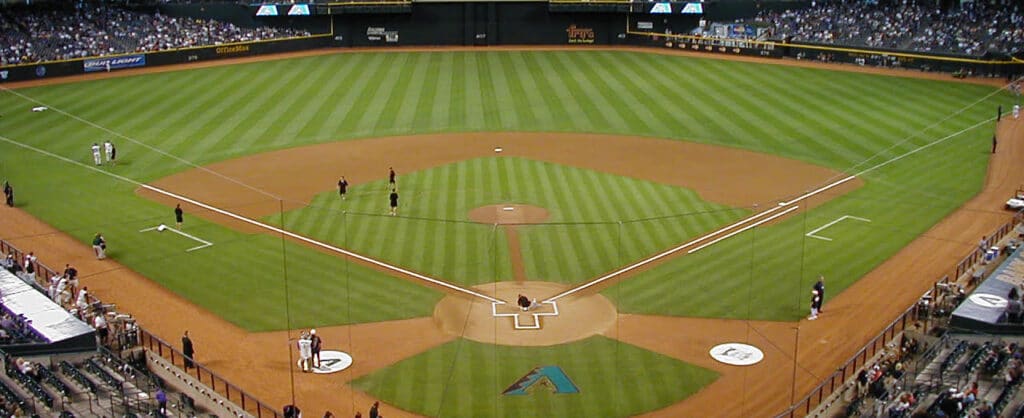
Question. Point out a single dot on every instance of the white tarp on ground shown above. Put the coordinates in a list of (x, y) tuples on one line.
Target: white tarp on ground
[(48, 318)]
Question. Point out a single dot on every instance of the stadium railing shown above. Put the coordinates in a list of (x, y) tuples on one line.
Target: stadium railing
[(848, 370), (157, 345)]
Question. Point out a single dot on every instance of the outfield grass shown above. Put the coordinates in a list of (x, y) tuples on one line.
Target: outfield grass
[(466, 379), (205, 115)]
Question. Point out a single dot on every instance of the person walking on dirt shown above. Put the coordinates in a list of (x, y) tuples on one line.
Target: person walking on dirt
[(994, 143), (391, 177), (315, 344), (187, 350), (375, 410)]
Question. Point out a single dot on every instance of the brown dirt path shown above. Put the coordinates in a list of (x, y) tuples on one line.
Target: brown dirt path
[(506, 219)]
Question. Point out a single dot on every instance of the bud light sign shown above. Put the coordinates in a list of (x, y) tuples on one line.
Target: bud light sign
[(114, 63)]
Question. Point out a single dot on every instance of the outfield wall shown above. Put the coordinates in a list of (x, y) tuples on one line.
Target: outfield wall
[(500, 23)]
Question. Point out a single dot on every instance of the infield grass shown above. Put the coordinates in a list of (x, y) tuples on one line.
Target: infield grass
[(845, 121), (581, 238), (464, 378)]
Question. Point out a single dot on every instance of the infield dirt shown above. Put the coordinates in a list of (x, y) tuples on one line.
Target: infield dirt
[(259, 362)]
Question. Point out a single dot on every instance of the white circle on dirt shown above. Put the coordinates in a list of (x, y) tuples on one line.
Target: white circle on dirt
[(737, 354), (333, 362), (988, 300)]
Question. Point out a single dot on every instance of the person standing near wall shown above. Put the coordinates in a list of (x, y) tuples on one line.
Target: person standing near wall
[(188, 350)]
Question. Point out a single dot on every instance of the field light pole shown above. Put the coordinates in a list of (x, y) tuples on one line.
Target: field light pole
[(796, 353), (287, 307)]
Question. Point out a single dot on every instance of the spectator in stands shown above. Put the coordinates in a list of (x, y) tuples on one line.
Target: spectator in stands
[(951, 404), (1014, 308), (100, 323), (985, 410), (9, 263), (161, 400), (970, 395), (972, 28), (82, 301), (64, 31)]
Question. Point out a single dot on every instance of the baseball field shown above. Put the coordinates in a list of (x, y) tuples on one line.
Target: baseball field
[(640, 193)]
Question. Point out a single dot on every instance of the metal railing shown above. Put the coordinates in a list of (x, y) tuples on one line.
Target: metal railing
[(153, 343), (206, 376), (848, 370)]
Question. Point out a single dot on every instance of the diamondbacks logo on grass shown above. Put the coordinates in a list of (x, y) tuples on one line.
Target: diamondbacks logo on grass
[(549, 376)]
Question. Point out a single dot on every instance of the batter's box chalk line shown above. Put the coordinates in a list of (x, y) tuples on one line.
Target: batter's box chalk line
[(162, 228), (843, 218), (536, 315)]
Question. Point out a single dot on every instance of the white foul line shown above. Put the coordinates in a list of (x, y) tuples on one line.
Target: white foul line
[(167, 228), (259, 224), (659, 256), (743, 229), (708, 236), (811, 234)]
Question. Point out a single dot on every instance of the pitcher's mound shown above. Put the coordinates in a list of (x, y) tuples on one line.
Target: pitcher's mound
[(509, 214), (579, 316)]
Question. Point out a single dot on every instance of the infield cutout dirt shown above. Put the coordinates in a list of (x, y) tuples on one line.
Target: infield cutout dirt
[(508, 214), (579, 316)]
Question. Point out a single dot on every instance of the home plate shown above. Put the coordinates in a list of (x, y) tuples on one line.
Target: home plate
[(508, 208)]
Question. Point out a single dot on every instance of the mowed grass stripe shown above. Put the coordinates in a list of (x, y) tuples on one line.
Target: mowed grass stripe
[(409, 94), (393, 98), (315, 94), (612, 93), (506, 103), (225, 115), (577, 110), (423, 113), (548, 93), (372, 74), (706, 124), (271, 130), (522, 87), (587, 91), (379, 106), (350, 68), (806, 121), (665, 115)]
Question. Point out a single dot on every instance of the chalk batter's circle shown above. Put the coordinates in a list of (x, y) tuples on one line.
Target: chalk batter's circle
[(737, 354), (988, 300), (333, 362)]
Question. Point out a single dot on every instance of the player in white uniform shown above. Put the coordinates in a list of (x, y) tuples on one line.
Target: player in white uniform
[(108, 147), (96, 157), (305, 352)]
